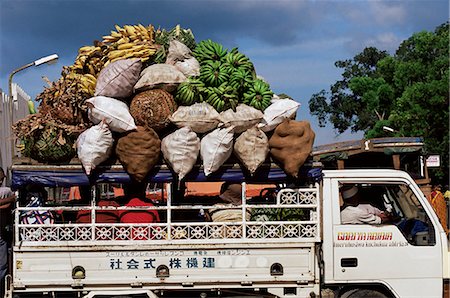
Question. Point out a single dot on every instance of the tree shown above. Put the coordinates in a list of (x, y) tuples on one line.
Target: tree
[(408, 91)]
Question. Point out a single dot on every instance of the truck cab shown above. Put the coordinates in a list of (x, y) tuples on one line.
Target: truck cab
[(406, 257), (284, 238)]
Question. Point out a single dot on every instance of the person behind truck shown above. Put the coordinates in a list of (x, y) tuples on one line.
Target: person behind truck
[(7, 199), (437, 200), (230, 195), (135, 196), (354, 212)]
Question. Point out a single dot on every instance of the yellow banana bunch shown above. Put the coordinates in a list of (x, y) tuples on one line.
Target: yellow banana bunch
[(132, 50), (88, 83), (130, 33)]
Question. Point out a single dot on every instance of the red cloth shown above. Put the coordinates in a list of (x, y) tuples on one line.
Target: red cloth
[(139, 216), (101, 216)]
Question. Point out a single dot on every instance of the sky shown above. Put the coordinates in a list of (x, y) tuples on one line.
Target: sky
[(292, 43)]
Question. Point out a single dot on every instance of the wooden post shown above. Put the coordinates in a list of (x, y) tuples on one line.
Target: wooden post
[(340, 164), (396, 160)]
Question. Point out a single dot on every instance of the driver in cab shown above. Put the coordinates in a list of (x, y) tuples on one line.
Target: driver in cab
[(355, 212)]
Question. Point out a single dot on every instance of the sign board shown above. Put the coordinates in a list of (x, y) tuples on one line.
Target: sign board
[(433, 161)]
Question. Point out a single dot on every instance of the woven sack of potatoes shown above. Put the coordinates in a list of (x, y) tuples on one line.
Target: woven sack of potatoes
[(138, 152), (215, 148), (242, 119), (252, 148), (200, 117), (160, 76), (94, 146), (279, 110), (291, 144), (113, 111), (180, 149), (152, 108)]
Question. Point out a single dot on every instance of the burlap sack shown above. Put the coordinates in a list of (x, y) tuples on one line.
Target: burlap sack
[(291, 144), (178, 51), (279, 110), (94, 146), (215, 148), (118, 78), (161, 76), (138, 152), (114, 112), (200, 117), (242, 119), (180, 149), (252, 148), (152, 108), (189, 67)]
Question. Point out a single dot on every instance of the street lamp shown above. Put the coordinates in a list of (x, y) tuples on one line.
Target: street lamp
[(387, 128), (47, 59)]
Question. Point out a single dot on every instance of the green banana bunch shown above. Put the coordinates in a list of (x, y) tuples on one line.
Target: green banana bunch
[(241, 80), (209, 50), (258, 95), (222, 98), (213, 73), (237, 61), (189, 92)]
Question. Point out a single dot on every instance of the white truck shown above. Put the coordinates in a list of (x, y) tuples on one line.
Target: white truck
[(309, 254)]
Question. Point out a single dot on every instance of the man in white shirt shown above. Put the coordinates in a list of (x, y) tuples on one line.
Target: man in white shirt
[(356, 213)]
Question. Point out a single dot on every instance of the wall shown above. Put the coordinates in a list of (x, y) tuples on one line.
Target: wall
[(20, 111)]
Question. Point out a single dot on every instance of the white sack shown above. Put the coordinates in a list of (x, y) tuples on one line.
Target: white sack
[(178, 51), (279, 110), (115, 113), (189, 67), (180, 149), (216, 147), (163, 76), (244, 117), (200, 117), (252, 148), (94, 146)]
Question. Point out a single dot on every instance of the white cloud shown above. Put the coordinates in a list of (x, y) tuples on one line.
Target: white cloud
[(388, 12)]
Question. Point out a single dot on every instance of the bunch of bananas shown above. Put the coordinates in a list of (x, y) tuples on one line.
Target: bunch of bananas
[(163, 38), (258, 95), (241, 80), (130, 41), (89, 60), (190, 92), (131, 33), (235, 60), (207, 50), (222, 98), (214, 73), (144, 51)]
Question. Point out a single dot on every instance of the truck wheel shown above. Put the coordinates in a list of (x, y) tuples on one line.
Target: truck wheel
[(358, 293)]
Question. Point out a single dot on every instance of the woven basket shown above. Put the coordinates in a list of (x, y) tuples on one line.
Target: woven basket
[(152, 108)]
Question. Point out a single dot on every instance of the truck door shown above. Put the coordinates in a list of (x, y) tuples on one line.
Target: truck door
[(403, 253)]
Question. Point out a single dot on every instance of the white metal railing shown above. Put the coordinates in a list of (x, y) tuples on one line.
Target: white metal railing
[(270, 230)]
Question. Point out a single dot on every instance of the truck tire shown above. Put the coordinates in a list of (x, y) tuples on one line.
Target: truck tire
[(358, 293)]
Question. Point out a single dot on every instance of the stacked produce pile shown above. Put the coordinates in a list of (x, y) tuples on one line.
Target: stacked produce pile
[(141, 92)]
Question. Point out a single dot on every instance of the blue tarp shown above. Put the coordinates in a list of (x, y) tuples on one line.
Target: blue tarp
[(54, 177)]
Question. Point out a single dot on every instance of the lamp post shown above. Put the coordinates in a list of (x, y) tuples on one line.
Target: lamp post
[(43, 60)]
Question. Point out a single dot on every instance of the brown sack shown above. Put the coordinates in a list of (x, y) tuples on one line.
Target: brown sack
[(138, 152), (291, 144), (152, 108)]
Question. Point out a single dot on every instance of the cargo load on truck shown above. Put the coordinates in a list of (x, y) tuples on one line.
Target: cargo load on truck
[(131, 97)]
